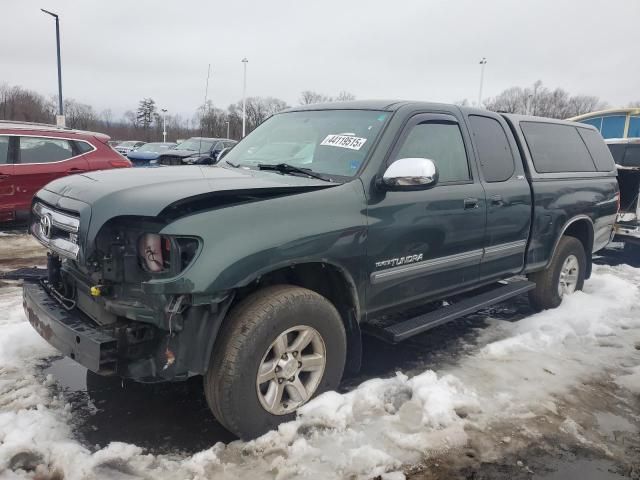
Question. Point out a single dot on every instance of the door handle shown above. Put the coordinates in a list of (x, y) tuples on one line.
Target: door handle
[(497, 200), (2, 177), (71, 171), (470, 203)]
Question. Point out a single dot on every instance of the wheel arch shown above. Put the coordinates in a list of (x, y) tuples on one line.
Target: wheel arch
[(327, 279), (580, 227)]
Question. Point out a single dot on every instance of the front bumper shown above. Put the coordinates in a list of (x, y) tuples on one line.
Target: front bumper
[(71, 332)]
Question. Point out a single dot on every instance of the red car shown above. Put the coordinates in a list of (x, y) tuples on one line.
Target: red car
[(32, 155)]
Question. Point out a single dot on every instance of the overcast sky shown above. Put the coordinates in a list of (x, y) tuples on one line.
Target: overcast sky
[(115, 52)]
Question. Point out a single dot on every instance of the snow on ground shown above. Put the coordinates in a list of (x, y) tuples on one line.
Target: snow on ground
[(518, 370)]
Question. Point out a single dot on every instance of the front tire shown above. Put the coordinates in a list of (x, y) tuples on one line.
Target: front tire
[(564, 275), (280, 347)]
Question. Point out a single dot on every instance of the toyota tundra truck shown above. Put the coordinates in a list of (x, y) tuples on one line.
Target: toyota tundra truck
[(328, 221)]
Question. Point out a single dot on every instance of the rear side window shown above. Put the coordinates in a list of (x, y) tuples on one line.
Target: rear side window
[(4, 150), (83, 147), (44, 150), (496, 157), (556, 148), (599, 152), (442, 143)]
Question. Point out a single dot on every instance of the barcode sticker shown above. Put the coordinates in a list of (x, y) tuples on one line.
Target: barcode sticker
[(344, 141)]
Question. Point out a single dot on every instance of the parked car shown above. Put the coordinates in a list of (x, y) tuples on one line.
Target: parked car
[(123, 148), (196, 150), (261, 275), (626, 153), (148, 153), (32, 155)]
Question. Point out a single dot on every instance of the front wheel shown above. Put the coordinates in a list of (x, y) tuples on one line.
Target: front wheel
[(280, 347), (564, 275)]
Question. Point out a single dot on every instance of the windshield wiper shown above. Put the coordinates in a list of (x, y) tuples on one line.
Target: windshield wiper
[(286, 168)]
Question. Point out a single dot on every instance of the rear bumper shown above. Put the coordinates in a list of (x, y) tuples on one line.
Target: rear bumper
[(71, 332), (627, 232)]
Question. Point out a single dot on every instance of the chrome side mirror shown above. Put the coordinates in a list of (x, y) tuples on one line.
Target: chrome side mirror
[(410, 174)]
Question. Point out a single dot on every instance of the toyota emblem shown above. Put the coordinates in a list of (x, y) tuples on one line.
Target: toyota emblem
[(45, 225)]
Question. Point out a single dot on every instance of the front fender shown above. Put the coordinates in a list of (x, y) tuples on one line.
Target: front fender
[(243, 242)]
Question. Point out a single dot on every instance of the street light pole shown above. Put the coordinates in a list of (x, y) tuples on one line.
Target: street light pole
[(244, 97), (483, 62), (164, 125), (60, 121), (227, 129)]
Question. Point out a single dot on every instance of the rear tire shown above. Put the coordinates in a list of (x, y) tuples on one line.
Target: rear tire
[(564, 275), (262, 335)]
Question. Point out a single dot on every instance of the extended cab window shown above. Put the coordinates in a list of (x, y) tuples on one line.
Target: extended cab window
[(494, 152), (441, 142), (4, 150), (44, 150), (556, 147)]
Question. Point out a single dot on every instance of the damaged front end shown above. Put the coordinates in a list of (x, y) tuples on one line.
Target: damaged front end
[(126, 309)]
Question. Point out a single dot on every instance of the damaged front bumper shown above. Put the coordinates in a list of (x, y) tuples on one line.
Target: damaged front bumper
[(72, 333), (130, 349)]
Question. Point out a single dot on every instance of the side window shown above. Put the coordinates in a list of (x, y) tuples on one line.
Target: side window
[(613, 126), (634, 126), (599, 152), (596, 122), (82, 147), (496, 157), (4, 150), (556, 147), (44, 150), (441, 142)]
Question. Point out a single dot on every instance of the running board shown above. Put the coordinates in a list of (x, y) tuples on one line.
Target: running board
[(402, 330)]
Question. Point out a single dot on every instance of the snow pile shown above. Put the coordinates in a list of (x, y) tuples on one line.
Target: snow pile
[(517, 370)]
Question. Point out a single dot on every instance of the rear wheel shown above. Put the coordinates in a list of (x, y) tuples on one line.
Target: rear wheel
[(564, 275), (279, 348)]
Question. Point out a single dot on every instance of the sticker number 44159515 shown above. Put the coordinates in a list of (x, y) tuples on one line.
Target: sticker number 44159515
[(344, 141)]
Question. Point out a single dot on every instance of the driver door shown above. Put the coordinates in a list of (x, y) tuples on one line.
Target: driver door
[(423, 243)]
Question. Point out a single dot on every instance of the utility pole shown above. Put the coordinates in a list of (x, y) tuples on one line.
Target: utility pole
[(244, 98), (483, 62), (164, 125), (227, 128), (60, 119)]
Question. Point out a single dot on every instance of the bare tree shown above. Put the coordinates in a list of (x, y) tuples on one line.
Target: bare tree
[(541, 101), (309, 97), (345, 96)]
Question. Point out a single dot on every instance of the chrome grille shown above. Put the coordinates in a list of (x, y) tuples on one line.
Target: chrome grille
[(58, 231)]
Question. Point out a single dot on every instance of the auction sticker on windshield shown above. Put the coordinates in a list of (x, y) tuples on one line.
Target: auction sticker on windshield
[(344, 141)]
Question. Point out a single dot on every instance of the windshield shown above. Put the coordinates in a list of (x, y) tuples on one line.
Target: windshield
[(153, 147), (333, 142), (196, 144), (131, 143)]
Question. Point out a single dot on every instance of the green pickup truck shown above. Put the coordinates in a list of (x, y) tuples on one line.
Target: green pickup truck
[(262, 272)]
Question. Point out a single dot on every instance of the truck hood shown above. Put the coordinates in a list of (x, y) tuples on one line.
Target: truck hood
[(149, 191)]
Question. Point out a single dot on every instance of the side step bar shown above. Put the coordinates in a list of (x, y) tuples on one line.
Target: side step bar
[(408, 328)]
